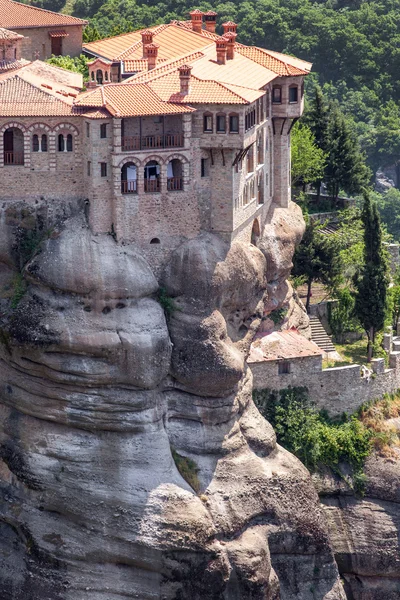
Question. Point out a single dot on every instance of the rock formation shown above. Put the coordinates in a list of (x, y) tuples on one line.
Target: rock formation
[(101, 390)]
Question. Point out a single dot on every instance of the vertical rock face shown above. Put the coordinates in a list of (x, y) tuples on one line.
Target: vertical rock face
[(98, 391)]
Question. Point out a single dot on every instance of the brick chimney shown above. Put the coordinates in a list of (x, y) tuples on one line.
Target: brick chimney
[(229, 27), (151, 53), (147, 38), (197, 20), (230, 47), (210, 19), (184, 78), (221, 44)]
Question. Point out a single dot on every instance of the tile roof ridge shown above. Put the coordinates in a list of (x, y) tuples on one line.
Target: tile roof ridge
[(53, 12), (166, 69), (134, 46)]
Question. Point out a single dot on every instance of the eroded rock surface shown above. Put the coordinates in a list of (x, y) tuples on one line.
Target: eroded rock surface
[(98, 386)]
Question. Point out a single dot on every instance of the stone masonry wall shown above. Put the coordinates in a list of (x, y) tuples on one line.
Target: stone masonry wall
[(38, 43), (338, 390)]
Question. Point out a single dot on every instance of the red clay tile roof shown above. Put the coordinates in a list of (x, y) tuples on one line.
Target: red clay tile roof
[(14, 15), (11, 65), (58, 33), (20, 98), (130, 100), (265, 58), (281, 345), (6, 34)]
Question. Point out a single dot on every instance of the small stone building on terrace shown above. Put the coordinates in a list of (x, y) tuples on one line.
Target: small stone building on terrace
[(181, 130), (44, 32)]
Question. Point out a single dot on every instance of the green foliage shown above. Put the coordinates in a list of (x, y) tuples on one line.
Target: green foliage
[(342, 315), (394, 304), (77, 64), (188, 469), (317, 258), (314, 438), (308, 160), (388, 205), (166, 301), (277, 315), (372, 282), (19, 290)]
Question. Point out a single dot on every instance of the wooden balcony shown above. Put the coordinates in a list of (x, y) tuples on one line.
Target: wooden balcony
[(174, 184), (152, 185), (13, 158), (150, 142), (129, 186)]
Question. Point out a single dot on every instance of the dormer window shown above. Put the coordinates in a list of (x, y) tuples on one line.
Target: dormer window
[(277, 94), (293, 94)]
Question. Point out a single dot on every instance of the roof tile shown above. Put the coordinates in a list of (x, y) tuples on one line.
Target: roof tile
[(16, 15)]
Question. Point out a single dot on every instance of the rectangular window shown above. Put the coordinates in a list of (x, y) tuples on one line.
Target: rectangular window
[(103, 169), (234, 124), (208, 123), (277, 95), (221, 124), (87, 129), (204, 167), (293, 95), (103, 130), (89, 168), (284, 367)]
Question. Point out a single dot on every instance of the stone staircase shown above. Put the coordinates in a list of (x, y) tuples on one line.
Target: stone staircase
[(319, 335)]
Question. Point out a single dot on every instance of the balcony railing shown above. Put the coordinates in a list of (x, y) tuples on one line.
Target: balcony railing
[(13, 158), (148, 142), (152, 185), (174, 184), (129, 186)]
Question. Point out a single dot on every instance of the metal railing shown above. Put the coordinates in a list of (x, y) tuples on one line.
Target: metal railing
[(174, 184), (152, 185), (148, 142), (13, 158), (129, 186)]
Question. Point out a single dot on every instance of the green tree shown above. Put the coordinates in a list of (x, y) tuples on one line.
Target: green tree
[(388, 205), (372, 282), (77, 64), (346, 167), (308, 161), (317, 258)]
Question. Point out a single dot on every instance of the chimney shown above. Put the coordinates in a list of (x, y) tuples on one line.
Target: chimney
[(229, 27), (184, 78), (197, 20), (147, 38), (151, 53), (230, 47), (221, 44), (210, 19)]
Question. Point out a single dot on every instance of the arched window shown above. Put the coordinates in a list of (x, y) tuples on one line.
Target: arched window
[(129, 179), (106, 76), (61, 143), (69, 142), (35, 143), (174, 175), (92, 75), (13, 140), (221, 123), (277, 94), (44, 143), (208, 126), (99, 76), (233, 123), (154, 241), (152, 177), (293, 94)]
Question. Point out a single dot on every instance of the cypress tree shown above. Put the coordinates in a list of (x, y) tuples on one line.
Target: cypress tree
[(345, 165), (317, 118), (372, 282)]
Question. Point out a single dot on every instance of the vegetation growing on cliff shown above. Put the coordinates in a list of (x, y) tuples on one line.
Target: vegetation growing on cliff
[(319, 441), (187, 468)]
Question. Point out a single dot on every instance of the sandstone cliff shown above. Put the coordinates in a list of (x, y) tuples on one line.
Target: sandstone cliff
[(99, 387)]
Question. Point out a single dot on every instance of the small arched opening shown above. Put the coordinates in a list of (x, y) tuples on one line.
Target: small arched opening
[(155, 241), (13, 140), (129, 178), (99, 76), (255, 232), (174, 175), (152, 176)]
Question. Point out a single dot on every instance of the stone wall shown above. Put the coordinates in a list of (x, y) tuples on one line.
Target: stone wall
[(38, 41), (338, 390)]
